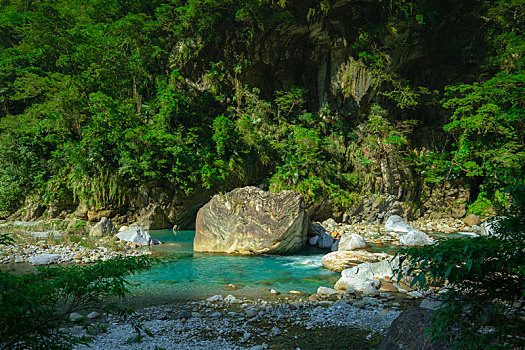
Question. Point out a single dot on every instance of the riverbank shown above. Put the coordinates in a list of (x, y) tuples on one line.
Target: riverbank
[(337, 322)]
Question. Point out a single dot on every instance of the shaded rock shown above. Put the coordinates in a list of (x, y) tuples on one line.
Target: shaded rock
[(136, 234), (251, 221), (431, 303), (472, 220), (414, 238), (325, 241), (339, 260), (408, 332), (313, 241), (75, 317), (93, 315), (103, 228), (351, 241), (335, 246), (44, 259)]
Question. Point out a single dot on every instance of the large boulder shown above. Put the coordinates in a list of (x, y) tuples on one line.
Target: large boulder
[(136, 234), (351, 241), (103, 228), (340, 260), (408, 332), (252, 221)]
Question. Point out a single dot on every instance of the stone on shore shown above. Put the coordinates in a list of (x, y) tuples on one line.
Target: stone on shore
[(397, 224), (136, 234), (472, 220), (103, 228), (339, 260), (364, 277), (44, 259), (252, 221), (408, 332), (415, 238), (351, 241)]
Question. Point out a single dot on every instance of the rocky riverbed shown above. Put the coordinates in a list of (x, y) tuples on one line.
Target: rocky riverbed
[(337, 322), (43, 253)]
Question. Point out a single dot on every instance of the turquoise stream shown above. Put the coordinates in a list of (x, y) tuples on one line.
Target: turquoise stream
[(188, 275)]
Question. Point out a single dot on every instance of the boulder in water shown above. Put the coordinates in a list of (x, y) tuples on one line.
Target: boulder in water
[(252, 221)]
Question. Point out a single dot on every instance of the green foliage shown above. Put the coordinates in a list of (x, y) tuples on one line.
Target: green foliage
[(34, 308), (485, 280)]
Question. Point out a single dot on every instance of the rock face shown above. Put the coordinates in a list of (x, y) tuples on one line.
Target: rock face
[(251, 221), (103, 228), (136, 234), (407, 332), (351, 242), (340, 260)]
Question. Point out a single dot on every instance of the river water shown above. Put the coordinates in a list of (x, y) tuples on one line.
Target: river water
[(184, 274)]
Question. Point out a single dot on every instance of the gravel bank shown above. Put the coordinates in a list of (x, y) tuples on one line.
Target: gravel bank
[(245, 324)]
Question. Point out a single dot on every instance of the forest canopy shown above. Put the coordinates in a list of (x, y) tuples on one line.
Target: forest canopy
[(101, 96)]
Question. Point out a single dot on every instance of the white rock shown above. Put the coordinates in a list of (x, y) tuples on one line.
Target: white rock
[(326, 291), (396, 223), (44, 259), (136, 234), (351, 242), (215, 298), (232, 300), (415, 237), (122, 228)]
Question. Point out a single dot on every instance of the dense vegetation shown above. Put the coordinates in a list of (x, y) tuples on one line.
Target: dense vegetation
[(485, 279), (35, 308), (99, 97)]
